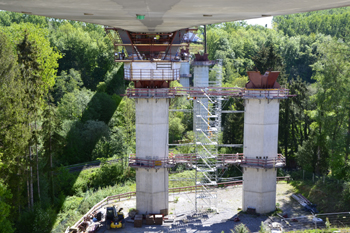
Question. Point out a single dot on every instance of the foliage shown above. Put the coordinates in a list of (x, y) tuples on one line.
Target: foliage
[(263, 228), (332, 22), (88, 51), (5, 209), (66, 83), (85, 202), (241, 228), (45, 56), (37, 220)]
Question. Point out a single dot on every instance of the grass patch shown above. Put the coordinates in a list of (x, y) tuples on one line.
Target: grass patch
[(327, 196)]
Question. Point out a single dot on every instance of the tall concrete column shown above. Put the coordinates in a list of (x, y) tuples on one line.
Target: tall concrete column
[(185, 74), (200, 79), (260, 143), (200, 74), (152, 127)]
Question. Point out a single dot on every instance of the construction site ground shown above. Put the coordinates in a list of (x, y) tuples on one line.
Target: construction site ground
[(229, 202)]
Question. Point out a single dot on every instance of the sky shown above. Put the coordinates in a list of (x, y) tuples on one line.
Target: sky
[(261, 21)]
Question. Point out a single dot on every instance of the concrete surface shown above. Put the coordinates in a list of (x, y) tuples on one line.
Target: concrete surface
[(260, 140), (201, 76), (152, 126), (200, 79), (229, 200), (259, 189), (185, 70), (164, 16), (261, 128)]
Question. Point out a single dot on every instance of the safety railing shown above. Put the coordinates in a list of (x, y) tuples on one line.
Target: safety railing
[(151, 163), (230, 158), (258, 162), (151, 93), (224, 159), (151, 74), (266, 93), (197, 92)]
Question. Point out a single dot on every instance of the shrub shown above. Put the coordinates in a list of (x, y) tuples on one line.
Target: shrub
[(241, 228)]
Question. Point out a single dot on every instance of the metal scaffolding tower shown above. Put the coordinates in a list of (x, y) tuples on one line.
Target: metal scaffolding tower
[(207, 126)]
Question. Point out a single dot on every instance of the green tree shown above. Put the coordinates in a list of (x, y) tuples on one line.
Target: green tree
[(86, 50), (66, 82), (14, 133), (233, 124), (333, 22), (332, 115), (5, 209), (52, 142)]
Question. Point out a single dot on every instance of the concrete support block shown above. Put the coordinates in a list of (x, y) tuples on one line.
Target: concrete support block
[(201, 76), (260, 140), (185, 81), (261, 128), (152, 194), (152, 130), (201, 79), (185, 71), (259, 189)]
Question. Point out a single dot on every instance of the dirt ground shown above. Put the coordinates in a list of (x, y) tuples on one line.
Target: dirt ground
[(229, 202)]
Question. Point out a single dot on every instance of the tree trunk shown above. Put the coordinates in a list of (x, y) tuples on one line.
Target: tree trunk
[(31, 178), (348, 139), (286, 133), (51, 173), (50, 155), (37, 164), (28, 192)]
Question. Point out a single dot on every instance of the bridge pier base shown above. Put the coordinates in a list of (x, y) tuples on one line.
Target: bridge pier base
[(152, 127), (260, 147)]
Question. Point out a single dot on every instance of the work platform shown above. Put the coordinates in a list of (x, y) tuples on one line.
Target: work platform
[(222, 159), (196, 92)]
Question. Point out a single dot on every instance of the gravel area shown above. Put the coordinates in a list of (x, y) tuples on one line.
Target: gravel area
[(181, 208)]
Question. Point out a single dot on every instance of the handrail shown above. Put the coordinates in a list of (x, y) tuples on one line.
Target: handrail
[(128, 195), (152, 74), (198, 92), (237, 158)]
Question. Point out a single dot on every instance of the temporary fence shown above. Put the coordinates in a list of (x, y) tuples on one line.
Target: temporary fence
[(330, 220), (316, 221), (314, 177)]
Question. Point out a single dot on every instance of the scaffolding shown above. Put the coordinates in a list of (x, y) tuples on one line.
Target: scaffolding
[(207, 127), (207, 110)]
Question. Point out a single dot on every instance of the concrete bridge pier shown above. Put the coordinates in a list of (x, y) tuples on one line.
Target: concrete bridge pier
[(152, 126), (185, 74), (260, 149)]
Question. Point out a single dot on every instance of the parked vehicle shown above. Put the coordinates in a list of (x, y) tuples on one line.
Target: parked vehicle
[(120, 221), (111, 216)]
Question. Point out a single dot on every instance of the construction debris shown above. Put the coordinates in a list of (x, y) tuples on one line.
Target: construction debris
[(303, 201)]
